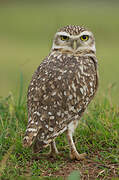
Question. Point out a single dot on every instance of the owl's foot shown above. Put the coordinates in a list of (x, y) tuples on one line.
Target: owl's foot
[(51, 155), (73, 152), (77, 156), (46, 155)]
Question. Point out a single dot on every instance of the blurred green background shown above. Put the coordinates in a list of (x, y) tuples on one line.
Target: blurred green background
[(27, 29)]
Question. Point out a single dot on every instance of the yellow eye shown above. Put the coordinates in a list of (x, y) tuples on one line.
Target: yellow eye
[(64, 38), (84, 38)]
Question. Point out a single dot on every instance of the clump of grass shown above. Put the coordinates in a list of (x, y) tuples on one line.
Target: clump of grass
[(99, 129)]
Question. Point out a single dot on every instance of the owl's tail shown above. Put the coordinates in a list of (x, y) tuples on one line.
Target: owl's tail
[(31, 133)]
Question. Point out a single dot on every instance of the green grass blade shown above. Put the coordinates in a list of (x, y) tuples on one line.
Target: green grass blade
[(21, 90)]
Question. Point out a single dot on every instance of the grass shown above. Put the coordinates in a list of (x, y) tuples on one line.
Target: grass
[(26, 32), (97, 135)]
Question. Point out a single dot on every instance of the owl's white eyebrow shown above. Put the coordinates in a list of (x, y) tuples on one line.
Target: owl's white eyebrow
[(85, 33), (63, 34), (74, 36)]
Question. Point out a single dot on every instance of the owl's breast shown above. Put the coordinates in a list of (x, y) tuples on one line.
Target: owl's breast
[(78, 81)]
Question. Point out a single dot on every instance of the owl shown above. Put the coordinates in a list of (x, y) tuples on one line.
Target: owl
[(61, 89)]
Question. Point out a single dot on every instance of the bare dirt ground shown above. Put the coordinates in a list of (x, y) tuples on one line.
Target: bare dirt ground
[(90, 169)]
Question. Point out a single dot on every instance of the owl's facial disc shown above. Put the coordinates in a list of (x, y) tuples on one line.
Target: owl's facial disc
[(65, 42)]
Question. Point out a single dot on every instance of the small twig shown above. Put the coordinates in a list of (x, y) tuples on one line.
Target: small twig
[(101, 172)]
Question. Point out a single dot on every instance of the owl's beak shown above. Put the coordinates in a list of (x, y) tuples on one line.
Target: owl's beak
[(74, 44)]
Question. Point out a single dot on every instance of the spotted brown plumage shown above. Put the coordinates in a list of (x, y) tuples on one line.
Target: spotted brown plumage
[(60, 91), (72, 29)]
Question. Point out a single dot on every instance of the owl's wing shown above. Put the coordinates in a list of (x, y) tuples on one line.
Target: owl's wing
[(33, 96), (38, 95)]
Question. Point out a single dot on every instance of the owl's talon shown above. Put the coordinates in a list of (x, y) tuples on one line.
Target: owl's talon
[(50, 154), (77, 156)]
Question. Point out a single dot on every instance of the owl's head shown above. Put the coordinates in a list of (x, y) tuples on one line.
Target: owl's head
[(74, 39)]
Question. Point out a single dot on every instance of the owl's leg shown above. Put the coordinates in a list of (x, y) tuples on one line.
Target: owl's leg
[(73, 152), (53, 148)]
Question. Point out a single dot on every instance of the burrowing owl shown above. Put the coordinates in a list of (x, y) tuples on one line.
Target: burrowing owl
[(61, 89)]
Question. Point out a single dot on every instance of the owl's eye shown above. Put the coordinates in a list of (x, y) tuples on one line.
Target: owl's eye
[(84, 38), (64, 38)]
